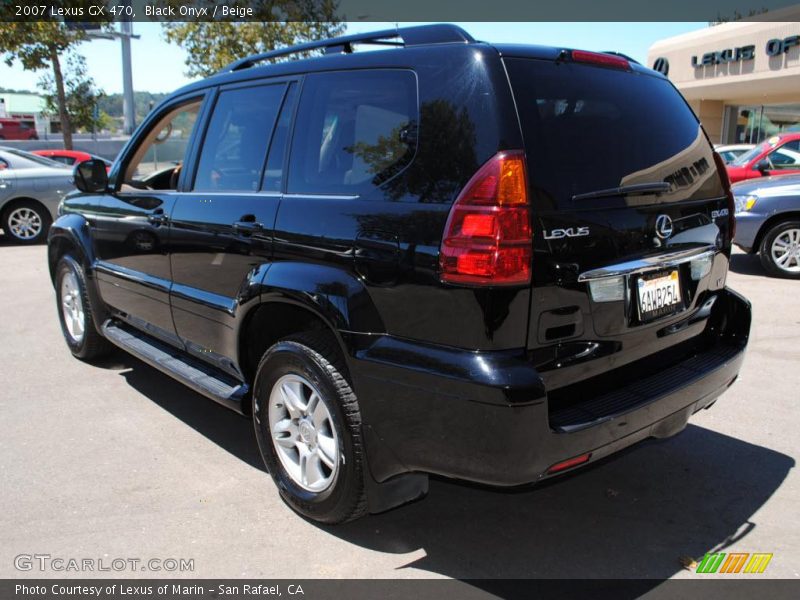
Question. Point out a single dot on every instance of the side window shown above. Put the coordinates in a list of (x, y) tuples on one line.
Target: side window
[(156, 162), (63, 159), (235, 144), (3, 165), (787, 156), (354, 131)]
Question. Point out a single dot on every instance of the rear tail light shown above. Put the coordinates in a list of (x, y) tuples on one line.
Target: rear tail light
[(599, 58), (488, 238), (726, 185)]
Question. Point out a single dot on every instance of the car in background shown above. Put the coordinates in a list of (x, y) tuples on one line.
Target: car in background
[(768, 222), (777, 155), (31, 187), (730, 152), (71, 158), (15, 129)]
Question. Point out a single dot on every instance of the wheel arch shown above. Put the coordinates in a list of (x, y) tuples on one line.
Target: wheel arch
[(789, 215), (69, 233), (296, 297)]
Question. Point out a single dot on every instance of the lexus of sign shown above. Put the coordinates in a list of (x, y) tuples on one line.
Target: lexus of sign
[(774, 47)]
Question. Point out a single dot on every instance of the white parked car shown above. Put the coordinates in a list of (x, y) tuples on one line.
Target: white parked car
[(730, 152)]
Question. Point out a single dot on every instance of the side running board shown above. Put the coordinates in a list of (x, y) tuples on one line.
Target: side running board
[(189, 371)]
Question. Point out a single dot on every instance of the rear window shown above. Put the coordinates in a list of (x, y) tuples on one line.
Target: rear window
[(589, 128)]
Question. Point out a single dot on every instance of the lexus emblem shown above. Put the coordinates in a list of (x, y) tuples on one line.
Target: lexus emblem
[(663, 226), (661, 65)]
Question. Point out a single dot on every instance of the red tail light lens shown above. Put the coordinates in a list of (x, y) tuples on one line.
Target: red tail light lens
[(598, 58), (488, 238), (568, 464), (722, 169)]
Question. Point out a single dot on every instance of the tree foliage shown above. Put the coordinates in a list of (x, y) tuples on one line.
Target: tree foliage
[(210, 46), (38, 45), (81, 94)]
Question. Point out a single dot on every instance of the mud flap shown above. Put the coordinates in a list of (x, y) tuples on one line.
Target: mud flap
[(394, 492)]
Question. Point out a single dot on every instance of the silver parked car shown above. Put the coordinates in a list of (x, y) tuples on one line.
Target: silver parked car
[(30, 189), (768, 222)]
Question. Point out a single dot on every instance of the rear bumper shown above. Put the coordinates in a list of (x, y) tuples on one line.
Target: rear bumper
[(484, 417)]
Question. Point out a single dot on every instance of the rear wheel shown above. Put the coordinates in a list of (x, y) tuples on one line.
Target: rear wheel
[(308, 427), (780, 250), (26, 222), (75, 312)]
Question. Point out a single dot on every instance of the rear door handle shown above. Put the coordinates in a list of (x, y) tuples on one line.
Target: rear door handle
[(248, 226), (157, 217)]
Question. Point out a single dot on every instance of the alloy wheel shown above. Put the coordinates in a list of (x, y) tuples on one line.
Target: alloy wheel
[(303, 433)]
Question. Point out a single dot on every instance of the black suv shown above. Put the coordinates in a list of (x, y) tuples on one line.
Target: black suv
[(488, 262)]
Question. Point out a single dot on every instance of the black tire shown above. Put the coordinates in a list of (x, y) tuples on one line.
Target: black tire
[(91, 345), (765, 250), (316, 358), (27, 207)]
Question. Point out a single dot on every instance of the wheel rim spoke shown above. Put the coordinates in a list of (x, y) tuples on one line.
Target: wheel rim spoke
[(326, 450), (292, 397)]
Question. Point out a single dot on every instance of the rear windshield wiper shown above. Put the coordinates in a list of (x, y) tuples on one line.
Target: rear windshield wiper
[(656, 187)]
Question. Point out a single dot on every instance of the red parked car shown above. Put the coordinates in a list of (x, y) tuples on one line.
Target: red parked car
[(777, 155), (14, 129), (71, 157)]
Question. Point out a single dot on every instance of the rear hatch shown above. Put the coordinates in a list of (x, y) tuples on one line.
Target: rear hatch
[(631, 223)]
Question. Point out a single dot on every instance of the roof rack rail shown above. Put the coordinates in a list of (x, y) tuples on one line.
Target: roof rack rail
[(401, 37)]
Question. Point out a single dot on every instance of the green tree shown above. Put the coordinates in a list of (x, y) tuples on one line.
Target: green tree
[(80, 95), (39, 45), (213, 45)]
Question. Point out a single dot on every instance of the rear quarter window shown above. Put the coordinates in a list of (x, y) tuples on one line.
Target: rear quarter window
[(354, 131)]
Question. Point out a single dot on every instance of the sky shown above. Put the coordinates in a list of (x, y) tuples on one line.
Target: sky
[(159, 66)]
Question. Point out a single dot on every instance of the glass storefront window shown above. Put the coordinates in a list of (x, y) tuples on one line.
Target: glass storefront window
[(756, 123)]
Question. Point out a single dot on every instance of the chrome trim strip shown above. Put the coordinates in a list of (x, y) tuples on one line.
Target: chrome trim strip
[(651, 263)]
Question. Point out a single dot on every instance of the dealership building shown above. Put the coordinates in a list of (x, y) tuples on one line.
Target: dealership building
[(741, 78)]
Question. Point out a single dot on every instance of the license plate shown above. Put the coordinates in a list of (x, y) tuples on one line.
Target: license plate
[(659, 295)]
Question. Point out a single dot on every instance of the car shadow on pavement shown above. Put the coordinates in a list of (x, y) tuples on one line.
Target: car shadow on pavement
[(634, 515), (224, 427), (746, 264)]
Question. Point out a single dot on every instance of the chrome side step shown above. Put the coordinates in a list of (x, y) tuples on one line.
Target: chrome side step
[(191, 372)]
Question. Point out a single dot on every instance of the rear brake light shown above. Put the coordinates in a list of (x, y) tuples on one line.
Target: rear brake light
[(726, 185), (598, 58), (488, 238), (569, 463)]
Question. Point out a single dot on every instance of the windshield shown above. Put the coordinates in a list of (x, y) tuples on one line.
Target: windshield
[(40, 161), (745, 158)]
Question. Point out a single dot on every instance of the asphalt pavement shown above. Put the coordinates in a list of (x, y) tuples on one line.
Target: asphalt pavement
[(114, 460)]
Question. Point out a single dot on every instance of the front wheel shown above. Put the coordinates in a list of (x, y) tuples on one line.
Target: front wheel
[(308, 426), (780, 250), (75, 312)]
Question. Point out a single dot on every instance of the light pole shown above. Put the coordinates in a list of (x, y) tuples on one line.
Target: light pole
[(128, 106)]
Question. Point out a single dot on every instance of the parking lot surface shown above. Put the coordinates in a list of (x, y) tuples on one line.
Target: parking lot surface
[(115, 460)]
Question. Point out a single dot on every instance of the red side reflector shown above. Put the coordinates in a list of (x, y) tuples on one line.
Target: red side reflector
[(488, 238), (598, 58), (568, 464)]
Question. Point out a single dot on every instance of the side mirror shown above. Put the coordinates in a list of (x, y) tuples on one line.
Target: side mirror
[(762, 166), (91, 176)]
